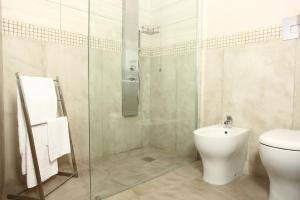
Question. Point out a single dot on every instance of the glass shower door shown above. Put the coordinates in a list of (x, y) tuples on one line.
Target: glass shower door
[(142, 128)]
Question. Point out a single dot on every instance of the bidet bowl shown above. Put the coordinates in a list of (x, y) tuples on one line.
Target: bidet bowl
[(223, 152)]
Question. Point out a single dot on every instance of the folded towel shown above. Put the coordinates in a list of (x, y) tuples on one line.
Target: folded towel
[(41, 101), (47, 168), (58, 137)]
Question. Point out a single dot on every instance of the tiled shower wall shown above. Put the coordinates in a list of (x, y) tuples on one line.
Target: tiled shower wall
[(167, 98), (166, 116), (111, 133), (172, 103)]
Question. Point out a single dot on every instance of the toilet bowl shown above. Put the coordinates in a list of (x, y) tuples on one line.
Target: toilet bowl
[(280, 155), (223, 152)]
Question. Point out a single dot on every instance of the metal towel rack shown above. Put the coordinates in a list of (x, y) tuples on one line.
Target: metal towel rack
[(69, 175)]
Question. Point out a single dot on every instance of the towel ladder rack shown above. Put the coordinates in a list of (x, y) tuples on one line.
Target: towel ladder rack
[(69, 175)]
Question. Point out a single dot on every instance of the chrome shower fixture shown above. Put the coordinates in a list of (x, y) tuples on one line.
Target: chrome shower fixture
[(150, 29)]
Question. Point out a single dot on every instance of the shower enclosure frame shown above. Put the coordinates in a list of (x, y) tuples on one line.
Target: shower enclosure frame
[(197, 69)]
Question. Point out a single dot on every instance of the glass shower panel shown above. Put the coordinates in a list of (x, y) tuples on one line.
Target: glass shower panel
[(129, 150)]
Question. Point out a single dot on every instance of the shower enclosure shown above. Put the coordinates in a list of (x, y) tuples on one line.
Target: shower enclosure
[(142, 90)]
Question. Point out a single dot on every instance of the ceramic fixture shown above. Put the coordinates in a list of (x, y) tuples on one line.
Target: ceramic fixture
[(223, 152), (280, 155)]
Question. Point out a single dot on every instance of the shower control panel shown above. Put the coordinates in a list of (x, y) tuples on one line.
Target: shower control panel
[(130, 89), (130, 59), (131, 71)]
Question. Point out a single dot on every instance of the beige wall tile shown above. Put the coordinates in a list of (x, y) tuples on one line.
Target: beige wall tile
[(163, 88), (43, 13), (177, 21), (212, 87), (96, 101), (74, 19), (172, 103), (258, 84), (76, 4), (13, 177), (23, 56), (186, 97), (258, 90), (244, 15), (255, 85), (32, 57), (163, 103), (26, 57), (110, 131), (120, 134), (2, 149), (296, 124), (70, 64), (145, 79)]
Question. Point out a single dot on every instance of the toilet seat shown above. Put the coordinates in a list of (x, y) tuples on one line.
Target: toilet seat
[(282, 139)]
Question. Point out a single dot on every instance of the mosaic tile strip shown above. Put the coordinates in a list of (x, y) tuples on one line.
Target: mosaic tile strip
[(31, 31), (230, 40), (104, 44), (187, 47), (243, 38)]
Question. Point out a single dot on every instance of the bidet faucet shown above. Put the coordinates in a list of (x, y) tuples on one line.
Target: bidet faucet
[(228, 122)]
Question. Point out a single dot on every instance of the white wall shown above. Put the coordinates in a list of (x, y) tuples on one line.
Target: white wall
[(230, 16), (72, 15), (177, 19)]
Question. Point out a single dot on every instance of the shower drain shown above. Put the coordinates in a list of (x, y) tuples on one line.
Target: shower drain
[(148, 159)]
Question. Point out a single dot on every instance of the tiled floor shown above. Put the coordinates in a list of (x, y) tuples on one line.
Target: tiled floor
[(186, 183), (119, 172), (168, 176), (116, 173)]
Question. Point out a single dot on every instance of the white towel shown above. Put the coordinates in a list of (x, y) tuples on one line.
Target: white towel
[(41, 101), (58, 137), (47, 168), (22, 131)]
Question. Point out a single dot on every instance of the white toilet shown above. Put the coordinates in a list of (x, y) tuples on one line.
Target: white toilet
[(223, 152), (280, 155)]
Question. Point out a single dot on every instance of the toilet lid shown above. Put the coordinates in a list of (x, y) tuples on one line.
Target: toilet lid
[(282, 138)]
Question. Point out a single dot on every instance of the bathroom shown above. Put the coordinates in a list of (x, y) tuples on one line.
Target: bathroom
[(198, 63)]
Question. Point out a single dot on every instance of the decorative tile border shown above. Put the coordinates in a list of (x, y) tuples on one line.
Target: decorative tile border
[(187, 47), (243, 38), (104, 44), (230, 40), (30, 31)]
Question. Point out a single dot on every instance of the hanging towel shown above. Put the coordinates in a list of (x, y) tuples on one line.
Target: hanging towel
[(41, 101), (58, 137), (22, 132), (47, 168)]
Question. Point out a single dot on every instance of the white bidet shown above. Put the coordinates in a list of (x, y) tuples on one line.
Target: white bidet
[(223, 152)]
